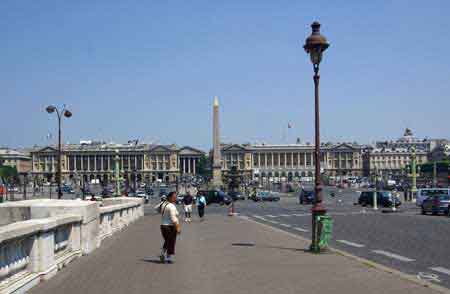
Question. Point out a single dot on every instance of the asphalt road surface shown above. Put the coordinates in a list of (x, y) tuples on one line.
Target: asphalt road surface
[(405, 240)]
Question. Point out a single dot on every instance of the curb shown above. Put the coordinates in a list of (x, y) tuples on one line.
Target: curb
[(363, 261)]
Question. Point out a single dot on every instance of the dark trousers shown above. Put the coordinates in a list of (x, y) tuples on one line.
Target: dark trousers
[(201, 210), (169, 234)]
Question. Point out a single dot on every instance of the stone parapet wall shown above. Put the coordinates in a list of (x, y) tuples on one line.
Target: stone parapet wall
[(53, 233)]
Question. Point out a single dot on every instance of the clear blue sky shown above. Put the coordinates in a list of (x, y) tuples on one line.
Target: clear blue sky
[(150, 69)]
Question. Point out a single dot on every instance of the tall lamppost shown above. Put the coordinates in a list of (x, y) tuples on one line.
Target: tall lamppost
[(413, 173), (63, 113), (117, 173), (315, 45)]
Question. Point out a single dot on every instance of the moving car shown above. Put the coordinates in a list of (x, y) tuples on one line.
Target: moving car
[(306, 196), (423, 194), (215, 196), (265, 196), (384, 199), (235, 195), (436, 204), (141, 194)]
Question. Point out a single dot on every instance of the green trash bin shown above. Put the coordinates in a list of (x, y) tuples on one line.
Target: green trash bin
[(325, 227)]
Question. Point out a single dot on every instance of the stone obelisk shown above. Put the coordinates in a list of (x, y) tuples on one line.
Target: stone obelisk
[(217, 164)]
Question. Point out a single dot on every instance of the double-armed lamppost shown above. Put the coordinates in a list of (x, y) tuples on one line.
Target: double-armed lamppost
[(63, 113), (315, 45)]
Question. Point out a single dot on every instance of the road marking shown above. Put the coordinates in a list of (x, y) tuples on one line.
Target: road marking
[(440, 269), (301, 214), (393, 255), (350, 243), (273, 222), (428, 277), (285, 225), (269, 215), (259, 217), (300, 229), (284, 215)]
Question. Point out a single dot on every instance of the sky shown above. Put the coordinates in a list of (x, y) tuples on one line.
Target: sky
[(149, 70)]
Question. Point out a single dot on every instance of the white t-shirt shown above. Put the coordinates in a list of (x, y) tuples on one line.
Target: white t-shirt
[(169, 214)]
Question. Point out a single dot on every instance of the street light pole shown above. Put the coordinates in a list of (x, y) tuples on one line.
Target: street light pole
[(60, 114), (315, 45), (413, 173)]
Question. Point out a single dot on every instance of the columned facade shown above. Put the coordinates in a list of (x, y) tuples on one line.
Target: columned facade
[(95, 163)]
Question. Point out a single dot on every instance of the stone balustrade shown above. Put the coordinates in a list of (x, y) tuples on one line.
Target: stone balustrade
[(116, 216), (42, 236)]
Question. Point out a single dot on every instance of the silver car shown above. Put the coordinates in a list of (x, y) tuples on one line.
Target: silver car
[(436, 204)]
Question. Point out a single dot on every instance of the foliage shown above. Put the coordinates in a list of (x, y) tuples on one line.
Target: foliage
[(8, 174), (204, 167)]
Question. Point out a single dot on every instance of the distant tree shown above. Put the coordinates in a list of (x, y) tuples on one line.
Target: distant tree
[(204, 167), (8, 174)]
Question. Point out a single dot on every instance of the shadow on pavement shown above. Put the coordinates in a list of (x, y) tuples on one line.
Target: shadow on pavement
[(152, 260)]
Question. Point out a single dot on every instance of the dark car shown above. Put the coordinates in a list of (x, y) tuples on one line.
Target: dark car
[(235, 195), (306, 196), (149, 191), (107, 192), (384, 199), (215, 196), (436, 204)]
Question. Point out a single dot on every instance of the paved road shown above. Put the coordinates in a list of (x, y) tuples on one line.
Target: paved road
[(220, 255), (407, 241)]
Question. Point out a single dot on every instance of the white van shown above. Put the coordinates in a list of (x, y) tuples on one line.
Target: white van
[(423, 194)]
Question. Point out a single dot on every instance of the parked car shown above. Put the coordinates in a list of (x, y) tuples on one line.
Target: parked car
[(215, 196), (436, 204), (423, 194), (384, 199), (235, 195), (306, 196), (13, 189)]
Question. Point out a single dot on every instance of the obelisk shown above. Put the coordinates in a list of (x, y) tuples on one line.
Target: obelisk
[(217, 164)]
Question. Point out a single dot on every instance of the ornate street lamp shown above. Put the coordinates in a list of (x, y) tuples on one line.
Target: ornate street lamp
[(63, 113), (315, 45)]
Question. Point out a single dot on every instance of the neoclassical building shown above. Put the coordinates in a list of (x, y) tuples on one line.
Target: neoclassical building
[(291, 161), (143, 163)]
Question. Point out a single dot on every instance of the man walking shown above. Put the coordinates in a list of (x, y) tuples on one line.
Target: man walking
[(187, 203), (201, 204)]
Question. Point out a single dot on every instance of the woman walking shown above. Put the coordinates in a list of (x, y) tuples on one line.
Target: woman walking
[(201, 203), (170, 227)]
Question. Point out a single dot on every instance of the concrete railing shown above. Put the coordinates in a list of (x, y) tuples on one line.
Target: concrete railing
[(35, 249), (116, 216), (41, 236)]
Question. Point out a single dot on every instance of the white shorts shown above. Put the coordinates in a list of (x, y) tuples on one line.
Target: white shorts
[(188, 208)]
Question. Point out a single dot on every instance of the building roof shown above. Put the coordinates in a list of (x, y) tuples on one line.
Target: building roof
[(12, 154)]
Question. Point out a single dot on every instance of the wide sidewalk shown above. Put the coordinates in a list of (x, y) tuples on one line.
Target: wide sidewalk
[(214, 256)]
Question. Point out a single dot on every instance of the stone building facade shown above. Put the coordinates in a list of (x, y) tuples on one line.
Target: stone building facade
[(391, 162), (141, 163), (20, 160), (290, 162)]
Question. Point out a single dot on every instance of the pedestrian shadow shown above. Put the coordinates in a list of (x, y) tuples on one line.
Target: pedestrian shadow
[(152, 260), (253, 245)]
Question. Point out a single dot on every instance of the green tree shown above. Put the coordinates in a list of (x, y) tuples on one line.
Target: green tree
[(204, 167), (9, 174)]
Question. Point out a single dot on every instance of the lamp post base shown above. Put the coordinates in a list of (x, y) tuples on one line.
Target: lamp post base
[(317, 210)]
